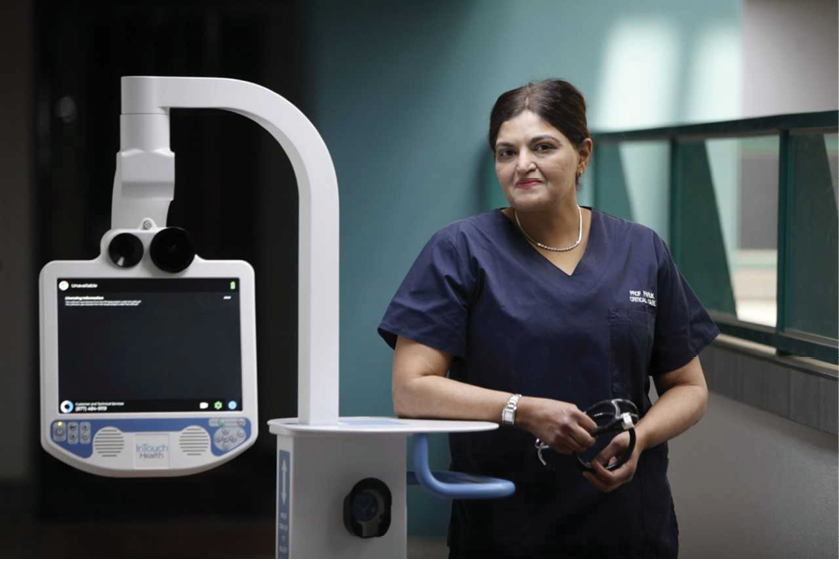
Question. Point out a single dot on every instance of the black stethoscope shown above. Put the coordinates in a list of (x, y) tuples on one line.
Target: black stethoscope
[(609, 415)]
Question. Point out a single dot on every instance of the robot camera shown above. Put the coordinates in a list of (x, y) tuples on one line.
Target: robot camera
[(125, 250), (171, 250)]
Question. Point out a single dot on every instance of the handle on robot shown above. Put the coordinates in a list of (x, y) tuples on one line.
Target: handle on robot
[(454, 485), (144, 184)]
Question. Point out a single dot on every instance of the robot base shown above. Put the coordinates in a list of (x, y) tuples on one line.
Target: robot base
[(320, 467)]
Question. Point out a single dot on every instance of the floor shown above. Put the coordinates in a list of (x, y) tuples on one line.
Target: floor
[(22, 535), (161, 540), (427, 547)]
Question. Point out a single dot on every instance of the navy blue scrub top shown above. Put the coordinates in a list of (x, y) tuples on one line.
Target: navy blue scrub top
[(514, 322)]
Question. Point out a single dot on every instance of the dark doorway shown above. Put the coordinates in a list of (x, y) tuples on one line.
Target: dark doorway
[(236, 195)]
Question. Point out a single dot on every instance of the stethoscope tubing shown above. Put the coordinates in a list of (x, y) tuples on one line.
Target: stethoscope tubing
[(624, 416)]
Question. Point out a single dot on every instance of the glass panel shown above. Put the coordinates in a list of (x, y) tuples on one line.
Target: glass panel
[(610, 194), (698, 242), (646, 168), (811, 284), (585, 194), (745, 175)]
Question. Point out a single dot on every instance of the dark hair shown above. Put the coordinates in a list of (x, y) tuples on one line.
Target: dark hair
[(556, 101)]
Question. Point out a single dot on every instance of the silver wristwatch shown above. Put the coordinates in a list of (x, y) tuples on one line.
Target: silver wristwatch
[(508, 416)]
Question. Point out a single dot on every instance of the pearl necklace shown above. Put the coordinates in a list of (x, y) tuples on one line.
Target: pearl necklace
[(554, 249)]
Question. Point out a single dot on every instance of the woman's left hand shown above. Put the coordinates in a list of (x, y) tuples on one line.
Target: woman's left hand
[(605, 480)]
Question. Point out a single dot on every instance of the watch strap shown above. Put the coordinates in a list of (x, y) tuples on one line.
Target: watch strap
[(508, 415)]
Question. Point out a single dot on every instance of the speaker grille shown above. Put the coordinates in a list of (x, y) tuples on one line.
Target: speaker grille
[(194, 441), (109, 442)]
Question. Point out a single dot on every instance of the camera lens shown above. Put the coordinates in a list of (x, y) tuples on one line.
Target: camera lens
[(171, 250), (367, 509), (367, 505), (125, 250)]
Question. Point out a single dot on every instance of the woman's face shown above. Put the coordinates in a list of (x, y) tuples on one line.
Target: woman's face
[(536, 164)]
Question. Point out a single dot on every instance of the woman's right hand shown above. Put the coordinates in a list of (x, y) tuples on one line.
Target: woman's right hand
[(560, 425)]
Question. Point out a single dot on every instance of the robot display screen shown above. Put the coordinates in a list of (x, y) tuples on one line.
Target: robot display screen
[(149, 345)]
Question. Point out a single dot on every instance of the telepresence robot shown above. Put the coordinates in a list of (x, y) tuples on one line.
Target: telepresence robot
[(148, 355)]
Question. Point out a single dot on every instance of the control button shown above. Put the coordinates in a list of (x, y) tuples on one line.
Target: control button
[(226, 439), (84, 429), (240, 422), (220, 440), (230, 422), (59, 431), (214, 422), (73, 433)]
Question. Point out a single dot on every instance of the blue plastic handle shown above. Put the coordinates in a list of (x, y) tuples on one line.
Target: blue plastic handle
[(454, 485)]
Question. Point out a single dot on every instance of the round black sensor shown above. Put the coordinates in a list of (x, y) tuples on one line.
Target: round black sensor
[(367, 509), (125, 250), (171, 250)]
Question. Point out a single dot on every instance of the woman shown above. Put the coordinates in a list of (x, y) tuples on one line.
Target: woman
[(564, 306)]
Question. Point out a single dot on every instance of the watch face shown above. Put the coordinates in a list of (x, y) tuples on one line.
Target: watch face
[(507, 416)]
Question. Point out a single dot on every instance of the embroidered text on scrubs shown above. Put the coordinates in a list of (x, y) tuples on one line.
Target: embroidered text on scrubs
[(642, 297)]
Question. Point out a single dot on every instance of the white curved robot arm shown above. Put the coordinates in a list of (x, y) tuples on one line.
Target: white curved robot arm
[(144, 186)]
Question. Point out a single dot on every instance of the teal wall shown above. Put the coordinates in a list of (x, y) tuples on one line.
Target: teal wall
[(401, 92)]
